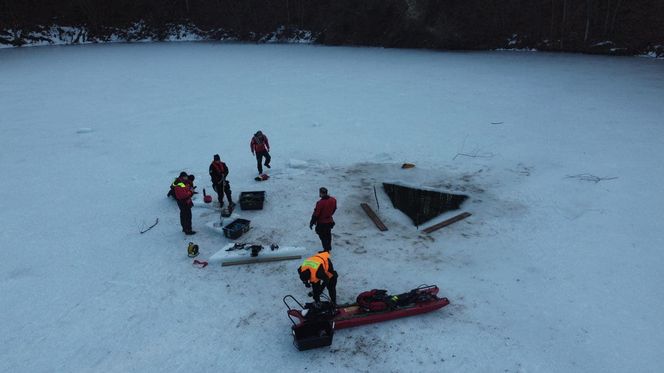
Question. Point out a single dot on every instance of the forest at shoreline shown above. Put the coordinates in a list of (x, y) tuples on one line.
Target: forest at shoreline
[(588, 26)]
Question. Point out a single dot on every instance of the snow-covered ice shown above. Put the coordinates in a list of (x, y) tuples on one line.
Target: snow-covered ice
[(559, 268)]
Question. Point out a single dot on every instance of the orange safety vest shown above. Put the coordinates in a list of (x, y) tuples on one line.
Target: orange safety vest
[(312, 263)]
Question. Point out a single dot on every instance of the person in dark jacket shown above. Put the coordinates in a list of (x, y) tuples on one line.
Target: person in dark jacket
[(322, 218), (220, 184), (191, 185), (183, 195), (260, 147), (318, 273)]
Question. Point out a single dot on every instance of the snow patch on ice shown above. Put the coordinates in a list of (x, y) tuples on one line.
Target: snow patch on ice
[(297, 164)]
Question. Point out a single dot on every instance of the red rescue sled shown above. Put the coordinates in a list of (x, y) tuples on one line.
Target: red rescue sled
[(316, 323)]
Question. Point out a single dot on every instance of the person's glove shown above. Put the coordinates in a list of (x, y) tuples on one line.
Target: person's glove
[(311, 225)]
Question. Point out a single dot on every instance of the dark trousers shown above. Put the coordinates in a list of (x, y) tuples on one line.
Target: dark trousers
[(221, 190), (317, 290), (259, 160), (185, 215), (324, 231)]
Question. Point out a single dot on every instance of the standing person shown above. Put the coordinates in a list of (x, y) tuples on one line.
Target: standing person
[(183, 178), (183, 195), (318, 272), (322, 218), (260, 147), (218, 175), (190, 179)]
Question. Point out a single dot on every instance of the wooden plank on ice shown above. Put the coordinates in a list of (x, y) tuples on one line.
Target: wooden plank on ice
[(372, 215), (446, 222)]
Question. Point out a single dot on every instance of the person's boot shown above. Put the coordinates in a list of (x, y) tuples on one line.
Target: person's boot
[(189, 233)]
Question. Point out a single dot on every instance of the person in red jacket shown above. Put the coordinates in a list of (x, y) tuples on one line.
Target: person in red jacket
[(322, 218), (260, 147), (188, 180), (183, 194)]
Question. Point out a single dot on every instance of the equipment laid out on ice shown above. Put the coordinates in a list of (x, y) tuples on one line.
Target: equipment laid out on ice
[(206, 197), (192, 250), (247, 253), (228, 210), (202, 202), (252, 200), (236, 228), (316, 323)]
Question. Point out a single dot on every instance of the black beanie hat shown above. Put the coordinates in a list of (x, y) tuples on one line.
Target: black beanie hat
[(183, 174), (217, 157)]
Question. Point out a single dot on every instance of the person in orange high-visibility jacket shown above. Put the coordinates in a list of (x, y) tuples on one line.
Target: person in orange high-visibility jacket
[(318, 273)]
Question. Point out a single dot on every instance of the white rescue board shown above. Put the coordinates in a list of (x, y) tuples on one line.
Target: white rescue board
[(241, 253)]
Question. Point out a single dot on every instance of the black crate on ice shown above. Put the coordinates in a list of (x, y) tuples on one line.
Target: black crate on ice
[(236, 228), (313, 334), (252, 200)]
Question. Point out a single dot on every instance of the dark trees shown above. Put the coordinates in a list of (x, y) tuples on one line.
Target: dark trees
[(571, 25)]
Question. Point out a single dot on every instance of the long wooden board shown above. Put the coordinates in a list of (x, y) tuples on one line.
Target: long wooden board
[(447, 222), (372, 215)]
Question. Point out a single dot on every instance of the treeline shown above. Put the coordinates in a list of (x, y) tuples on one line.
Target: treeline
[(567, 25)]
